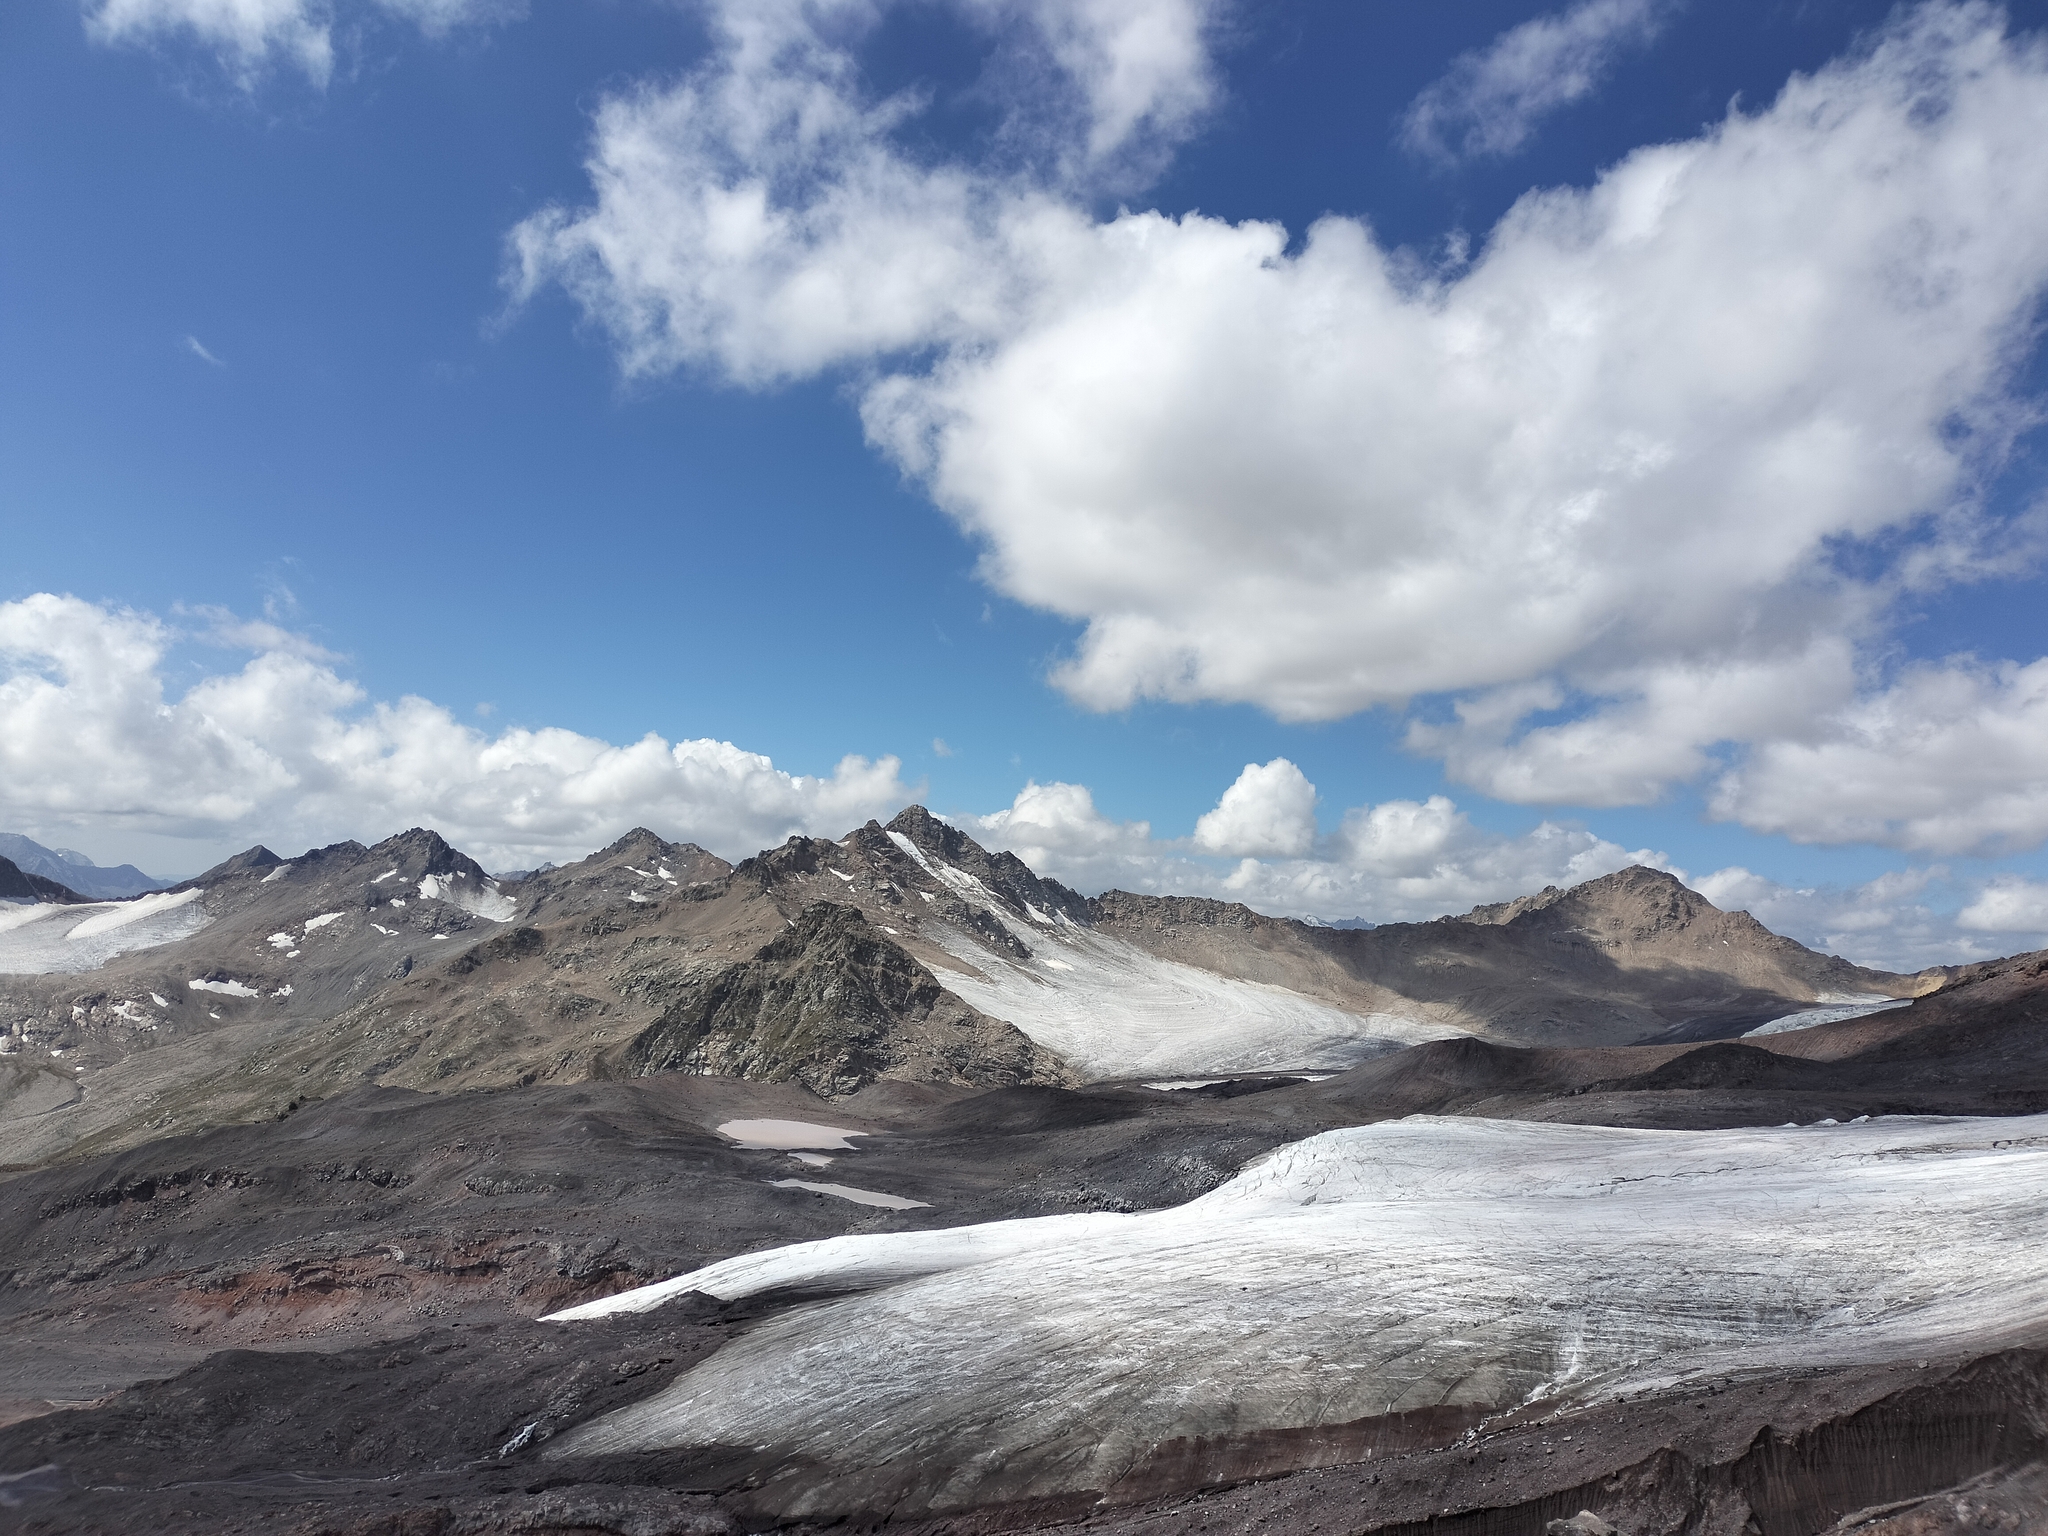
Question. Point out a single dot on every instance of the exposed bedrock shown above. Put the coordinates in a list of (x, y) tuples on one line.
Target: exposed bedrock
[(834, 1004)]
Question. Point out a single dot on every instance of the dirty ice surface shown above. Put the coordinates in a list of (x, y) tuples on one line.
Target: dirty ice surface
[(1379, 1269), (789, 1135), (1831, 1010), (36, 940)]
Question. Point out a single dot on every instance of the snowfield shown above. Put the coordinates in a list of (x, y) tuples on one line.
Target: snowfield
[(40, 939), (1115, 1011), (1401, 1266)]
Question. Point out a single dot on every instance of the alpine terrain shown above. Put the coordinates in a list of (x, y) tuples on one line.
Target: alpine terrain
[(883, 1181)]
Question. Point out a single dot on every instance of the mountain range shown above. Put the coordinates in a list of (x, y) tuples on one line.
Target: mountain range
[(75, 871), (883, 1180)]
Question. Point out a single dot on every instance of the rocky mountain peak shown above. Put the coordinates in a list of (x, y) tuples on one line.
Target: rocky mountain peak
[(422, 851), (1004, 874), (256, 860)]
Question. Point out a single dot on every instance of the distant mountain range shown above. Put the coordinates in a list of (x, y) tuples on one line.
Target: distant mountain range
[(902, 953), (75, 871)]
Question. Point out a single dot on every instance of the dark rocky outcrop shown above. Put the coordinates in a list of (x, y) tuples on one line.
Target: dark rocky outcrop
[(834, 1004), (17, 884)]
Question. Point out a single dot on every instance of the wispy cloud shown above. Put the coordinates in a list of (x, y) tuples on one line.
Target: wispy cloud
[(198, 349), (249, 37), (1490, 100)]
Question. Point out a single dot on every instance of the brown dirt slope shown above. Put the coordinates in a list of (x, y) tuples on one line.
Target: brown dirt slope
[(1629, 957)]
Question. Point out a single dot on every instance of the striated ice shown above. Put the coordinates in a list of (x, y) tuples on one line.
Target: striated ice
[(1832, 1010), (1387, 1268), (43, 938)]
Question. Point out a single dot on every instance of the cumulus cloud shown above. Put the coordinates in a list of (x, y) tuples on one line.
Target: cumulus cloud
[(1271, 809), (2010, 904), (762, 218), (1949, 759), (288, 751), (1632, 493), (1490, 101), (251, 36), (1396, 861)]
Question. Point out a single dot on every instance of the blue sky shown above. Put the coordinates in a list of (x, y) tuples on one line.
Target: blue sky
[(283, 396)]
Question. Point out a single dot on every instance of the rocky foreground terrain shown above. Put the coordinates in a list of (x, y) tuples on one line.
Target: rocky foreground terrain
[(998, 1208)]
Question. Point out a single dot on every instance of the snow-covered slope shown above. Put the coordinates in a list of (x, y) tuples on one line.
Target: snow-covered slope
[(1113, 1010), (1412, 1265)]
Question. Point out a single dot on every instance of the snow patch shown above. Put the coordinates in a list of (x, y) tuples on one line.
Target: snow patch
[(915, 853), (389, 933), (842, 874), (282, 941), (276, 874), (388, 874), (788, 1135), (322, 920), (225, 988), (488, 903), (857, 1196)]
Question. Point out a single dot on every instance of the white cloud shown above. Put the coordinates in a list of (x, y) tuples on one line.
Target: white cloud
[(1396, 861), (761, 217), (1949, 759), (198, 349), (288, 751), (250, 36), (1490, 101), (1271, 809), (1609, 470), (2010, 904)]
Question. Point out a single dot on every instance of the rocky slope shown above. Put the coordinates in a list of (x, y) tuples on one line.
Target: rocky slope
[(902, 952), (18, 885), (1630, 956)]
